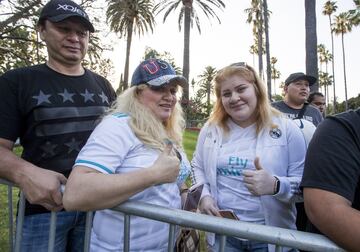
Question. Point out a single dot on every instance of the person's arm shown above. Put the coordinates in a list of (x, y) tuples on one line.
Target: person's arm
[(199, 175), (40, 186), (263, 180), (333, 215), (88, 189)]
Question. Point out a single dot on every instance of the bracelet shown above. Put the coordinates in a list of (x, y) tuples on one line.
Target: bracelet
[(276, 185), (183, 190)]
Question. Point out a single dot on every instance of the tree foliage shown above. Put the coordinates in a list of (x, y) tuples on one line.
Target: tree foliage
[(187, 16), (127, 17), (206, 86), (20, 45)]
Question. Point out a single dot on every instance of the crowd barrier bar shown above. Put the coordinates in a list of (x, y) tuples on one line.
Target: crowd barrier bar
[(280, 237)]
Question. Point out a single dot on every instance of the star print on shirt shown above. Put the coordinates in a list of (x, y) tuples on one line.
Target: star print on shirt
[(73, 145), (88, 96), (67, 96), (49, 149), (104, 98), (42, 98)]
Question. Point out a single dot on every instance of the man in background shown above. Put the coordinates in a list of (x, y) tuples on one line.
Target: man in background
[(317, 99), (297, 89), (53, 108)]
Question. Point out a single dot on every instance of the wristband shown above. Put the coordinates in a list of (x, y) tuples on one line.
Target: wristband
[(276, 186)]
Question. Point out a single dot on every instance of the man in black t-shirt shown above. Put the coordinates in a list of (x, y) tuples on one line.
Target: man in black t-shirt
[(332, 178), (296, 89), (52, 108)]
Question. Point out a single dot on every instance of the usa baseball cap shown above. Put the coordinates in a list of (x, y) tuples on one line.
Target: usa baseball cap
[(59, 10), (156, 72), (300, 76)]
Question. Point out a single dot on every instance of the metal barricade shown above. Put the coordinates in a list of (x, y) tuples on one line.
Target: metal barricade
[(280, 237)]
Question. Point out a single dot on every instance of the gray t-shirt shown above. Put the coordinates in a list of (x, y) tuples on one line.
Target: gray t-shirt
[(311, 114)]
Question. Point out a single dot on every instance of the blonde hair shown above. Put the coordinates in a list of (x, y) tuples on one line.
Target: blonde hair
[(150, 130), (264, 111)]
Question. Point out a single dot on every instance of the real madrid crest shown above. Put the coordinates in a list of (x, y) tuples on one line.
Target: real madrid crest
[(275, 132)]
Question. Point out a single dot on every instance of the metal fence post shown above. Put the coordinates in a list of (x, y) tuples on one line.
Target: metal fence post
[(11, 219), (171, 239), (88, 225), (52, 232), (126, 232), (19, 222)]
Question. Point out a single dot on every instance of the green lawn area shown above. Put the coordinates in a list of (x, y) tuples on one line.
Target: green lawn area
[(189, 143), (4, 211)]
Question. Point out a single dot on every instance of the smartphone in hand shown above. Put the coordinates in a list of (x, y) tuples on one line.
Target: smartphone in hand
[(229, 214), (193, 198)]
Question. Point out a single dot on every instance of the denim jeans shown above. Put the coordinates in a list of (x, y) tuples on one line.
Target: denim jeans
[(236, 245), (70, 231)]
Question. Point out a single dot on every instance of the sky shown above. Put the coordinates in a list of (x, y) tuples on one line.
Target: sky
[(221, 44)]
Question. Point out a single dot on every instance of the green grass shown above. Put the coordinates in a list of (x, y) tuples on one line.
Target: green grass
[(4, 211), (189, 143)]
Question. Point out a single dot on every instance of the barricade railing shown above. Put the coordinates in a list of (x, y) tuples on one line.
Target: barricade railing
[(280, 237)]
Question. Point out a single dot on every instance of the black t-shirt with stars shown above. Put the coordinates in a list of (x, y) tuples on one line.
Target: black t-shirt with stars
[(52, 114)]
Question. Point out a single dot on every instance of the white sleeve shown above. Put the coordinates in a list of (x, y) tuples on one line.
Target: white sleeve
[(290, 184), (198, 163), (108, 144)]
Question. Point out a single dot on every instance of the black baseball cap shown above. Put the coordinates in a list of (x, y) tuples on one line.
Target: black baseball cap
[(59, 10), (300, 76)]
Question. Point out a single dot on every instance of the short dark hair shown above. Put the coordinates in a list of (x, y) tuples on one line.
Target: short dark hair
[(313, 94)]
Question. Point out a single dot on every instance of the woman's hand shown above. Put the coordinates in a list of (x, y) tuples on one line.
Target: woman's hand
[(167, 166), (259, 182), (207, 206)]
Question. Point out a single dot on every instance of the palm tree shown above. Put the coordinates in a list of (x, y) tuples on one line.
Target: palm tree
[(255, 17), (311, 40), (267, 45), (328, 9), (341, 26), (253, 50), (320, 50), (328, 57), (206, 85), (324, 57), (126, 17), (355, 14), (275, 74), (187, 17)]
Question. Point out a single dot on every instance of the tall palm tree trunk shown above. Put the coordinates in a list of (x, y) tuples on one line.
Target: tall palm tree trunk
[(345, 85), (267, 46), (260, 45), (327, 85), (127, 59), (333, 65), (186, 56), (311, 41), (208, 110)]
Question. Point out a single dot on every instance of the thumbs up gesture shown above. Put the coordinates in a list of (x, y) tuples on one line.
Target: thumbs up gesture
[(259, 182), (167, 165)]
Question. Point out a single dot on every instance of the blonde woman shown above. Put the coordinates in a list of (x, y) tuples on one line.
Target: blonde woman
[(134, 153), (249, 158)]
